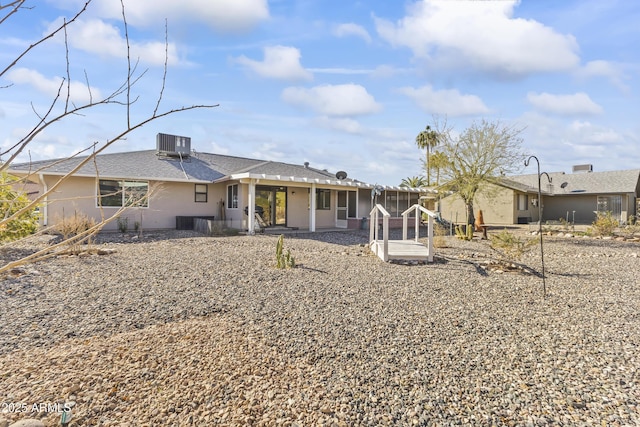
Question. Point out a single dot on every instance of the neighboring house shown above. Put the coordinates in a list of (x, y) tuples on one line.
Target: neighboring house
[(575, 197), (507, 203), (185, 183)]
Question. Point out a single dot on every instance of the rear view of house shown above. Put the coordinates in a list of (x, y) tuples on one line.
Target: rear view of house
[(173, 183)]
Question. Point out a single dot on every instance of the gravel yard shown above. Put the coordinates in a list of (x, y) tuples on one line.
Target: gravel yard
[(179, 329)]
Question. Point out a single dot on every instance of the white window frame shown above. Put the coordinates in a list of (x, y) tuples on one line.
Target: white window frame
[(122, 184), (522, 207), (232, 196), (198, 192), (323, 199)]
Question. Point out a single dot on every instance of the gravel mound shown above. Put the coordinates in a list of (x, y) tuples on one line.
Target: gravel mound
[(179, 329)]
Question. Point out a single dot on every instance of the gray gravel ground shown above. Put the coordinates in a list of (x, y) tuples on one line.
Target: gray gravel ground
[(194, 330)]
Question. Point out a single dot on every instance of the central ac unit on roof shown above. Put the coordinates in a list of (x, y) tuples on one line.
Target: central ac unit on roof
[(173, 145)]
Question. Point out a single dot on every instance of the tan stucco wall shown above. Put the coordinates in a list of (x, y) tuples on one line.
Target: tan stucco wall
[(498, 206), (167, 201), (298, 207)]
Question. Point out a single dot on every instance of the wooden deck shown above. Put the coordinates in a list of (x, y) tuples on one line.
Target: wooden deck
[(402, 250)]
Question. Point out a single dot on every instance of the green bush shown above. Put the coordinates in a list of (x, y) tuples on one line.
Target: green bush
[(11, 201), (510, 246), (123, 224), (604, 225)]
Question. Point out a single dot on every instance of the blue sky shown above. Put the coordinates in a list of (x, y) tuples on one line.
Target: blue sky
[(345, 85)]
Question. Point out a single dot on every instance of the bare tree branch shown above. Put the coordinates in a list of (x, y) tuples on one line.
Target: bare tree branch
[(45, 38), (15, 5), (166, 59), (126, 37)]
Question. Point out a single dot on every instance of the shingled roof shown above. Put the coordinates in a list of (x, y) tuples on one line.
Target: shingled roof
[(203, 167), (609, 182)]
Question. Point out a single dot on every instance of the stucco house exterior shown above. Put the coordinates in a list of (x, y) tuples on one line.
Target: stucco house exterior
[(575, 197), (181, 182)]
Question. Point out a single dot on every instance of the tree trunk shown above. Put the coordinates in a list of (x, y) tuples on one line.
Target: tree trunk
[(428, 167), (471, 219)]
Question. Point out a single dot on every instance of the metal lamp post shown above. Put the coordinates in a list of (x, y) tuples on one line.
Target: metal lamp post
[(526, 163)]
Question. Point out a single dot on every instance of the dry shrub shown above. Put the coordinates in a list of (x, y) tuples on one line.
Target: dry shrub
[(439, 232), (73, 225), (604, 225)]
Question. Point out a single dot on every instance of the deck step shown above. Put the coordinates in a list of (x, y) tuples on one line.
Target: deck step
[(402, 250)]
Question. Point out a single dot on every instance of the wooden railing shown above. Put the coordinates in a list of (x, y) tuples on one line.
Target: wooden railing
[(418, 213), (374, 241)]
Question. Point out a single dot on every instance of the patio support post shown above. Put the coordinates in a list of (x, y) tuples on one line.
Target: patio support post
[(251, 208), (526, 163), (312, 208)]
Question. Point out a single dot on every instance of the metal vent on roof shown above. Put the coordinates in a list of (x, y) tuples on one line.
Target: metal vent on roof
[(173, 145), (583, 168)]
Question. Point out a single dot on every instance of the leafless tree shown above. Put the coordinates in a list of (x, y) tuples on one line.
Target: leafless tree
[(62, 108)]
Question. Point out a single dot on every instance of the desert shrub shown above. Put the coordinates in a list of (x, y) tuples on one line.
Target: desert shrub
[(604, 225), (283, 260), (69, 226), (438, 236), (11, 201), (123, 224), (464, 232), (564, 224), (511, 246)]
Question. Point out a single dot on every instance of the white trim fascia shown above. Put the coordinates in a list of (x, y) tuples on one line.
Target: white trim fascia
[(341, 184)]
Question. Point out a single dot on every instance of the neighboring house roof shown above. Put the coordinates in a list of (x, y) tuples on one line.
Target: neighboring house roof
[(199, 167), (523, 187), (608, 182)]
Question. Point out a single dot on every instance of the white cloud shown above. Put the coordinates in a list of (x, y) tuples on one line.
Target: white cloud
[(79, 93), (448, 102), (280, 62), (387, 71), (584, 132), (351, 29), (480, 34), (227, 16), (342, 124), (98, 37), (333, 100), (345, 71), (576, 104), (604, 69)]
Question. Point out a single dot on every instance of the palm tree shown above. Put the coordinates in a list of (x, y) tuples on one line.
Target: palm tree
[(438, 160), (428, 139), (413, 182)]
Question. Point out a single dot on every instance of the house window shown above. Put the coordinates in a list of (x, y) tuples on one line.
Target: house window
[(323, 199), (403, 202), (201, 193), (523, 202), (611, 204), (113, 193), (232, 196), (391, 202)]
